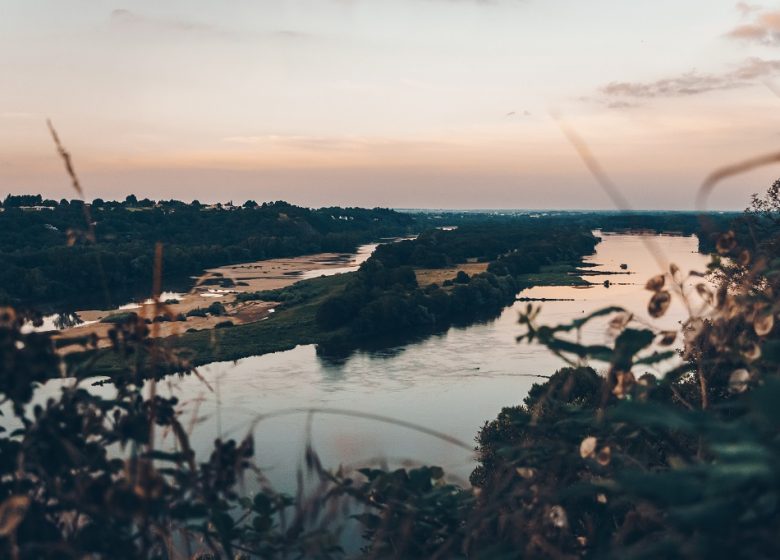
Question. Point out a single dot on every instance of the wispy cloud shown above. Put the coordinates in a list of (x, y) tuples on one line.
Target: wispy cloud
[(693, 82), (130, 19), (764, 29), (746, 9), (621, 104), (315, 143)]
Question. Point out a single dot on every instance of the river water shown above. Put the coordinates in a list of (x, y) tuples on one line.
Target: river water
[(451, 383)]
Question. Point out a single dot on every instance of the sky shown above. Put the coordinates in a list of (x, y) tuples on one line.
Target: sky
[(399, 103)]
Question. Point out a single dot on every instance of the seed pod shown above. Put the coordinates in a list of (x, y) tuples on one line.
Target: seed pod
[(557, 516), (764, 323), (750, 351), (674, 270), (604, 456), (738, 380), (705, 293), (726, 243), (659, 303), (655, 283), (619, 321), (588, 447), (667, 338), (525, 472)]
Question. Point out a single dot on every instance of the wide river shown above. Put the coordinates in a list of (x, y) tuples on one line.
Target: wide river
[(451, 383)]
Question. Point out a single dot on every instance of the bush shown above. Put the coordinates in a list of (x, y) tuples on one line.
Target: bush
[(122, 317), (461, 278), (216, 309), (197, 312)]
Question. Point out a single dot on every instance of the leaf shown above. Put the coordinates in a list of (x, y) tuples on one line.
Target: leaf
[(436, 473), (577, 323), (655, 415), (629, 343), (166, 456), (597, 352), (656, 357)]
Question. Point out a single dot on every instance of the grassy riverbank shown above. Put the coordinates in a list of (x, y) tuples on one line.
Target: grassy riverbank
[(559, 274), (293, 323)]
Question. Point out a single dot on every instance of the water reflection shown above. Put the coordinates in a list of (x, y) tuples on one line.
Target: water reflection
[(452, 382)]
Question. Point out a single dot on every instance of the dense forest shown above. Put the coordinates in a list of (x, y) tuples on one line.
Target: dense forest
[(384, 298), (57, 254), (50, 254)]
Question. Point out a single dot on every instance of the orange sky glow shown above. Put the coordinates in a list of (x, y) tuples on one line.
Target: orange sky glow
[(409, 103)]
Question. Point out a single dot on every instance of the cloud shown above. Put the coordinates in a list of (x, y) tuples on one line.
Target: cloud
[(693, 82), (130, 19), (764, 29), (746, 9), (620, 104)]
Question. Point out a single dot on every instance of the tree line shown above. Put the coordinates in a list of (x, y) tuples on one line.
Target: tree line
[(384, 298), (46, 258)]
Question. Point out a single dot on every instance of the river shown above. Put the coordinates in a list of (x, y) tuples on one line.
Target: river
[(452, 382)]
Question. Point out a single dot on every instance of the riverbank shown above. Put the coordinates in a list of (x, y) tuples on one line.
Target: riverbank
[(221, 284), (293, 323)]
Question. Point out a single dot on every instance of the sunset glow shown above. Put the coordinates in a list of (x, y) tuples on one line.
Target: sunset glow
[(402, 103)]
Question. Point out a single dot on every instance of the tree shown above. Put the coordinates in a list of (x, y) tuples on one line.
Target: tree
[(22, 200)]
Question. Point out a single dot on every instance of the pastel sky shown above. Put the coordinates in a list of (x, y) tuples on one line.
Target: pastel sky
[(401, 103)]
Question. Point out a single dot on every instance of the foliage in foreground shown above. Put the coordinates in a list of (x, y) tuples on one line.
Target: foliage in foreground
[(646, 461)]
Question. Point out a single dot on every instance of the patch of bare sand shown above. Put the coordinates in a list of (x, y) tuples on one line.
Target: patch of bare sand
[(426, 276), (220, 284)]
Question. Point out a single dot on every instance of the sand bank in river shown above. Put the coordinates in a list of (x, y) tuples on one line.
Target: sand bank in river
[(220, 284)]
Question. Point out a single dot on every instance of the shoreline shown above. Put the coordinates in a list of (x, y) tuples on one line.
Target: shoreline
[(221, 284)]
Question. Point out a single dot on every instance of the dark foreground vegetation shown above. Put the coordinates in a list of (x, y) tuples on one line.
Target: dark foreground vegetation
[(631, 462)]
